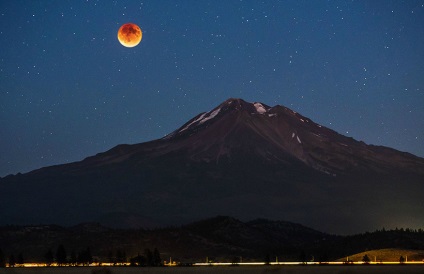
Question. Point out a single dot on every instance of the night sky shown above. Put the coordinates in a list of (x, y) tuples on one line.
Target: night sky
[(69, 89)]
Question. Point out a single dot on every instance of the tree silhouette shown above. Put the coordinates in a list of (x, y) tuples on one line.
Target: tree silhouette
[(149, 257), (110, 257), (157, 261), (118, 256), (84, 257), (61, 255), (2, 259), (20, 259), (267, 259), (12, 261), (74, 258), (121, 257), (302, 256), (366, 259), (138, 261), (49, 257)]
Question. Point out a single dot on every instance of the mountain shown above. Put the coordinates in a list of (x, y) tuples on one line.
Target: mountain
[(242, 159)]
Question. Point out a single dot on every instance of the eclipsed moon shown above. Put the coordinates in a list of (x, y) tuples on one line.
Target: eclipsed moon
[(129, 35)]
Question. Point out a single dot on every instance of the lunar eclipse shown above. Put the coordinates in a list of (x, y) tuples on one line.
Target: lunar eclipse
[(129, 35)]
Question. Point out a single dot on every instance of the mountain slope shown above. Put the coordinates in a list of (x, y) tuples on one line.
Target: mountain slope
[(242, 159)]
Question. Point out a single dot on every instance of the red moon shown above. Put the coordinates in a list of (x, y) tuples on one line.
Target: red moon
[(129, 35)]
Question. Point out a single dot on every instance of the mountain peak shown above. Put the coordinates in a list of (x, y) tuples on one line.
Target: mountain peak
[(232, 105), (276, 134), (240, 104)]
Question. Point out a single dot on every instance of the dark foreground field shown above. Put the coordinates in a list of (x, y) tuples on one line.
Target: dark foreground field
[(359, 269)]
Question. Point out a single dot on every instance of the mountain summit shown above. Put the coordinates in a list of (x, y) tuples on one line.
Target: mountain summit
[(280, 134), (243, 159)]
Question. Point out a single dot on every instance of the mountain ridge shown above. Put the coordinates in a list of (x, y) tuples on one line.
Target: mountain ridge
[(242, 159), (221, 238)]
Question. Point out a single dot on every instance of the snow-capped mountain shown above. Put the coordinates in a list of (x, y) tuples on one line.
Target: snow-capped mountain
[(242, 159), (278, 134)]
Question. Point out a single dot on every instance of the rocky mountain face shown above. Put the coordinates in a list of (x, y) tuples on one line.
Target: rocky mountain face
[(242, 159)]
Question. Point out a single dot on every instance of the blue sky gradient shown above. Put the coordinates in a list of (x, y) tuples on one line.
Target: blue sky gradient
[(68, 89)]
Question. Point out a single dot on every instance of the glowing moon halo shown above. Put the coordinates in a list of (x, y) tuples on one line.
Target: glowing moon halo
[(129, 35)]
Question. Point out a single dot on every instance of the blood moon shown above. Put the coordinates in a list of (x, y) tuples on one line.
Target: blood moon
[(129, 35)]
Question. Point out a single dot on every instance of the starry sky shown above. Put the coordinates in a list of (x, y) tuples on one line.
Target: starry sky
[(69, 89)]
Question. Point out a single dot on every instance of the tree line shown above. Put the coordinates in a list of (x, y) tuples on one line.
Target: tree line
[(84, 257), (12, 260), (61, 258), (148, 259)]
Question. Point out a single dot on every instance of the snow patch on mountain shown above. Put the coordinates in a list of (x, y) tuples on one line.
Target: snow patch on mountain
[(259, 108), (197, 120), (202, 119), (210, 116), (297, 137)]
